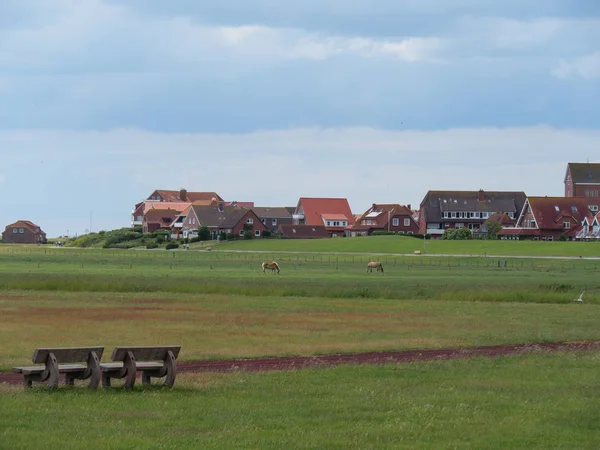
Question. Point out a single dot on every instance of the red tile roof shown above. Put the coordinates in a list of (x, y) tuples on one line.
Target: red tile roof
[(314, 208), (378, 216), (26, 224), (549, 212)]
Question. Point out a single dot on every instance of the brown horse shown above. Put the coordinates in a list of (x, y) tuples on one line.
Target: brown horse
[(272, 265), (374, 265)]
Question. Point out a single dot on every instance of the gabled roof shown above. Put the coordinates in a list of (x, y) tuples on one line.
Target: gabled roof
[(502, 218), (176, 206), (164, 217), (275, 212), (26, 224), (584, 172), (314, 208), (212, 217), (493, 201), (379, 213), (549, 212), (303, 231), (176, 196)]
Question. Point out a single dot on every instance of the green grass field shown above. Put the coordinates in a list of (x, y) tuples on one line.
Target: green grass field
[(220, 305), (405, 245), (533, 401)]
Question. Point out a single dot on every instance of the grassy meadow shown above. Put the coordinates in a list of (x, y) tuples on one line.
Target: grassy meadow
[(219, 304), (530, 401)]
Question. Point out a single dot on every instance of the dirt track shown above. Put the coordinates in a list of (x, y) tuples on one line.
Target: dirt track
[(395, 357)]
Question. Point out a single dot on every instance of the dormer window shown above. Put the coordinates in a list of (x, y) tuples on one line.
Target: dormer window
[(574, 209), (557, 208)]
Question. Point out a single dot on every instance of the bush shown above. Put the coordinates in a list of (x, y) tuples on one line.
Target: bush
[(266, 233), (248, 234), (230, 236), (151, 245), (160, 239), (203, 233), (382, 233), (171, 245)]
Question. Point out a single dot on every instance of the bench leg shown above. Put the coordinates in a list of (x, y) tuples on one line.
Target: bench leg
[(95, 372), (52, 367), (130, 366), (27, 382), (171, 369), (69, 380), (105, 380)]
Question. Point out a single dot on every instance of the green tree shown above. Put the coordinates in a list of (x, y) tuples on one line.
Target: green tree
[(464, 234), (491, 228), (449, 234), (203, 233)]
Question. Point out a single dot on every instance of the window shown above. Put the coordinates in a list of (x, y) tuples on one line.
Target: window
[(257, 233), (395, 221), (407, 222), (264, 221), (566, 225), (453, 215), (477, 215), (445, 214), (242, 232), (594, 208), (328, 223), (250, 220), (274, 222), (15, 230), (459, 225), (574, 209), (21, 230), (557, 208)]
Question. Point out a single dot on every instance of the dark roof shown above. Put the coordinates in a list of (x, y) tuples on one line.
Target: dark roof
[(278, 212), (435, 202), (303, 231), (549, 212), (584, 172), (211, 216)]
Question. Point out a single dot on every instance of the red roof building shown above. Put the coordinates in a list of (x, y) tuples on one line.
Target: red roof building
[(23, 232), (549, 218), (332, 213), (385, 217)]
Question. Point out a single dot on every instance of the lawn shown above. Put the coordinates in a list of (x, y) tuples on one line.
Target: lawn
[(406, 245), (531, 401), (214, 326)]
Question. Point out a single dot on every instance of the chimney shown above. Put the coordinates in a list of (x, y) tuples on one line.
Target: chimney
[(408, 207), (480, 196), (183, 195)]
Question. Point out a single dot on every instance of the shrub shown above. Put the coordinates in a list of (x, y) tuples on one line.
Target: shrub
[(230, 236), (382, 233), (171, 245), (203, 233), (266, 233), (159, 239), (151, 245), (248, 234)]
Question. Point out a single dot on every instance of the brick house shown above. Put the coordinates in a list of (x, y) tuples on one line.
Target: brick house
[(159, 216), (549, 218), (221, 219), (165, 196), (385, 217), (590, 230), (332, 213), (583, 180), (272, 217), (440, 210), (23, 232)]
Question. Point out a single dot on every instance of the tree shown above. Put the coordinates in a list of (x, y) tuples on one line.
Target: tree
[(449, 234), (464, 234), (491, 228), (203, 233)]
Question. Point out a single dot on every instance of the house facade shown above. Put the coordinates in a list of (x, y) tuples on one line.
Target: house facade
[(23, 232), (332, 213), (272, 217), (440, 210), (583, 180), (590, 230), (549, 218), (221, 219), (166, 196), (385, 217)]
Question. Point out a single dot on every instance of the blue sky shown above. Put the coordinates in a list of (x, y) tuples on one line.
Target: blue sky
[(102, 101)]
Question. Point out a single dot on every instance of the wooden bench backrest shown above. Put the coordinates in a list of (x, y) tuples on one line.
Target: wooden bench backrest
[(145, 353), (66, 354)]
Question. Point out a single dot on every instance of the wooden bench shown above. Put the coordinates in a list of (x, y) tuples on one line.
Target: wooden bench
[(55, 362), (130, 360)]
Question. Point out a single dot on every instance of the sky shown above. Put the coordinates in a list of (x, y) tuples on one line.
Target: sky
[(377, 101)]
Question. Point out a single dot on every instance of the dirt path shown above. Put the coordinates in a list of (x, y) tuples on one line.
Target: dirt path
[(395, 357)]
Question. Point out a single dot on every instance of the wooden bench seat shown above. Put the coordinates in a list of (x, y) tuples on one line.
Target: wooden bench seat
[(130, 360), (56, 361)]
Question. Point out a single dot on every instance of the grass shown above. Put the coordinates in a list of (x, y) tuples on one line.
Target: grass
[(405, 245), (226, 326), (532, 401)]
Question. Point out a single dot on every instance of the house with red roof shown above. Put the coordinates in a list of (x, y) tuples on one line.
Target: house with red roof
[(385, 217), (332, 213), (166, 196), (583, 180), (590, 230), (549, 218), (23, 232)]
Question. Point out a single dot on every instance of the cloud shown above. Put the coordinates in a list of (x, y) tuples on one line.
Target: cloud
[(122, 166), (586, 67)]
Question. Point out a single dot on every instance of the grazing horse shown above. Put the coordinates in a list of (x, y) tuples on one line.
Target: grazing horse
[(374, 265), (272, 265)]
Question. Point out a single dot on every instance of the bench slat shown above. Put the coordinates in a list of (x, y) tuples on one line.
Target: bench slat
[(139, 365), (62, 368), (148, 353), (66, 354)]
